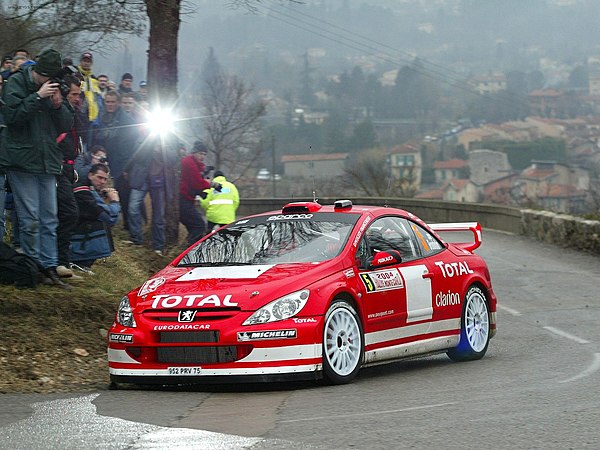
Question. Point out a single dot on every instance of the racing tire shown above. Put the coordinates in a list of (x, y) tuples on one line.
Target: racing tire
[(343, 343), (475, 328)]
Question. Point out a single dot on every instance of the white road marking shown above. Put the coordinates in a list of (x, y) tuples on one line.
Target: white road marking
[(512, 312), (374, 413), (566, 335), (587, 372)]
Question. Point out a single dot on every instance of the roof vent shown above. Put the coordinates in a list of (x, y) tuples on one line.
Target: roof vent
[(342, 204), (301, 207)]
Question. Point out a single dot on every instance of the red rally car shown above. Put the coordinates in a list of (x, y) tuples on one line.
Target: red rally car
[(307, 292)]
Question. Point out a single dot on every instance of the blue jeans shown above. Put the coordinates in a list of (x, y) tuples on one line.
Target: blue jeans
[(136, 200), (36, 206)]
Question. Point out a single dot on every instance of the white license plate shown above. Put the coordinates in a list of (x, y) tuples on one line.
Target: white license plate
[(185, 370)]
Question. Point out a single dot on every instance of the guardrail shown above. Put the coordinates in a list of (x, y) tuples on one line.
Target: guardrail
[(554, 228)]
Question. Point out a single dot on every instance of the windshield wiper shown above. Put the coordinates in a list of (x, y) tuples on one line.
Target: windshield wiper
[(196, 264), (215, 264)]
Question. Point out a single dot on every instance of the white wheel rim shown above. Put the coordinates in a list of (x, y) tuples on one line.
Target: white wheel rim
[(477, 324), (342, 341)]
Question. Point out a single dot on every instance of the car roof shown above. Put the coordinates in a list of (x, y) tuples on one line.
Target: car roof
[(339, 207)]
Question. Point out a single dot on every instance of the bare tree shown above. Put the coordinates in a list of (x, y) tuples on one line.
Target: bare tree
[(370, 175), (68, 25), (232, 124)]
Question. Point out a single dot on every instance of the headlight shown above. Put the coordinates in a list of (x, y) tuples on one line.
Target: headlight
[(125, 314), (280, 309)]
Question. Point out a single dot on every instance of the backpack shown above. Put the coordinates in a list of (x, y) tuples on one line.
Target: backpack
[(22, 270)]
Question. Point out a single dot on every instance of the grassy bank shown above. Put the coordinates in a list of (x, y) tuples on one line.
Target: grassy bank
[(53, 340)]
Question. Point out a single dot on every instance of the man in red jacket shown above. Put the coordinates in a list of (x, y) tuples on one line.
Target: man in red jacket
[(192, 183)]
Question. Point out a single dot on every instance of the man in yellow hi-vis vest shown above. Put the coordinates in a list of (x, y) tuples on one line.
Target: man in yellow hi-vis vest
[(220, 202), (90, 86)]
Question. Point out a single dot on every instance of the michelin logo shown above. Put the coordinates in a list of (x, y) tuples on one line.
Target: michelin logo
[(266, 335)]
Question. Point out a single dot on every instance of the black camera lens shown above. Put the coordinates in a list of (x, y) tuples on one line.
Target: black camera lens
[(103, 159)]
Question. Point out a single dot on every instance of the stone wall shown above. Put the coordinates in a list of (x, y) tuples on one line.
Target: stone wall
[(553, 228), (561, 229)]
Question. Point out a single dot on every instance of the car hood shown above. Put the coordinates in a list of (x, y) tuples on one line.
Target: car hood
[(244, 287)]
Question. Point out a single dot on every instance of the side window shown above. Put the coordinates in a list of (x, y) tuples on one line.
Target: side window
[(391, 233), (427, 243)]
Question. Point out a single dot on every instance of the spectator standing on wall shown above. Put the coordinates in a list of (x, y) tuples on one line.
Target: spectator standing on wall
[(220, 202), (191, 184), (35, 115)]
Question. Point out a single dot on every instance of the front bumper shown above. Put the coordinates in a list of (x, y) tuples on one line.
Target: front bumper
[(148, 354)]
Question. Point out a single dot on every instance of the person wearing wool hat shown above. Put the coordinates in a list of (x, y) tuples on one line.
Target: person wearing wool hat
[(126, 82), (35, 115), (191, 184)]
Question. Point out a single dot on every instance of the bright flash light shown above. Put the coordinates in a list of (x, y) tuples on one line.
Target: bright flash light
[(161, 121)]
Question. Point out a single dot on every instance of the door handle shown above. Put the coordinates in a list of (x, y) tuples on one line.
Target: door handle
[(428, 275)]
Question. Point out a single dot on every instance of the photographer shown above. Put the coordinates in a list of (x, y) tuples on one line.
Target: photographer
[(99, 210), (70, 144), (86, 160), (35, 115)]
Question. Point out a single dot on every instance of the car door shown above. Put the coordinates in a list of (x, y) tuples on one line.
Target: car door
[(445, 271), (399, 292)]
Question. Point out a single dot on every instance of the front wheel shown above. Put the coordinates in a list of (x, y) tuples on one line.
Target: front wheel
[(475, 328), (343, 344)]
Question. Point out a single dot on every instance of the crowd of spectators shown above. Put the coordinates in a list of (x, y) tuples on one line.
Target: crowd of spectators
[(75, 157)]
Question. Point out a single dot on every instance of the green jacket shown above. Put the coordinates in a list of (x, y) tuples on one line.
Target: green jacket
[(221, 206), (29, 140)]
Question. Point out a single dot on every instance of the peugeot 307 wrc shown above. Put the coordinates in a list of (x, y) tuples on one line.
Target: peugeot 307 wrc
[(307, 292)]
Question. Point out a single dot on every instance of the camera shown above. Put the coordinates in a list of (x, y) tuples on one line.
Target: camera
[(103, 160), (60, 79)]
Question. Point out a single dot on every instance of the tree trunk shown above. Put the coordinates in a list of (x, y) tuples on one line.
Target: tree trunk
[(164, 16)]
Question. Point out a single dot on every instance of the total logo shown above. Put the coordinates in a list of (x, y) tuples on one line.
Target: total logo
[(304, 320), (190, 301), (453, 269)]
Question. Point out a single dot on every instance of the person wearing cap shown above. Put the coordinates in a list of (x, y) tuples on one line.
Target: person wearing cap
[(5, 69), (90, 87), (191, 184), (142, 94), (35, 115), (220, 203)]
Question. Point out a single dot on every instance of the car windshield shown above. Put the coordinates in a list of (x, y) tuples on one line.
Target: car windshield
[(278, 239)]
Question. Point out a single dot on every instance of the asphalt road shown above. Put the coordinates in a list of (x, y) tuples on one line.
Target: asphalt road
[(537, 387)]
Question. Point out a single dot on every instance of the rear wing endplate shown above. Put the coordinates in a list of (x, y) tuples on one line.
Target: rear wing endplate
[(473, 227)]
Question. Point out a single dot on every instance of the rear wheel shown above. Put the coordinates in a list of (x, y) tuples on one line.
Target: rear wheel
[(343, 344), (475, 327)]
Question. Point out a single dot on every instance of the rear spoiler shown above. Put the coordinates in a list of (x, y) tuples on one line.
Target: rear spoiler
[(473, 227)]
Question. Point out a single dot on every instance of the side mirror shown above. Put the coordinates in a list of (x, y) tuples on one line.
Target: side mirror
[(383, 259)]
